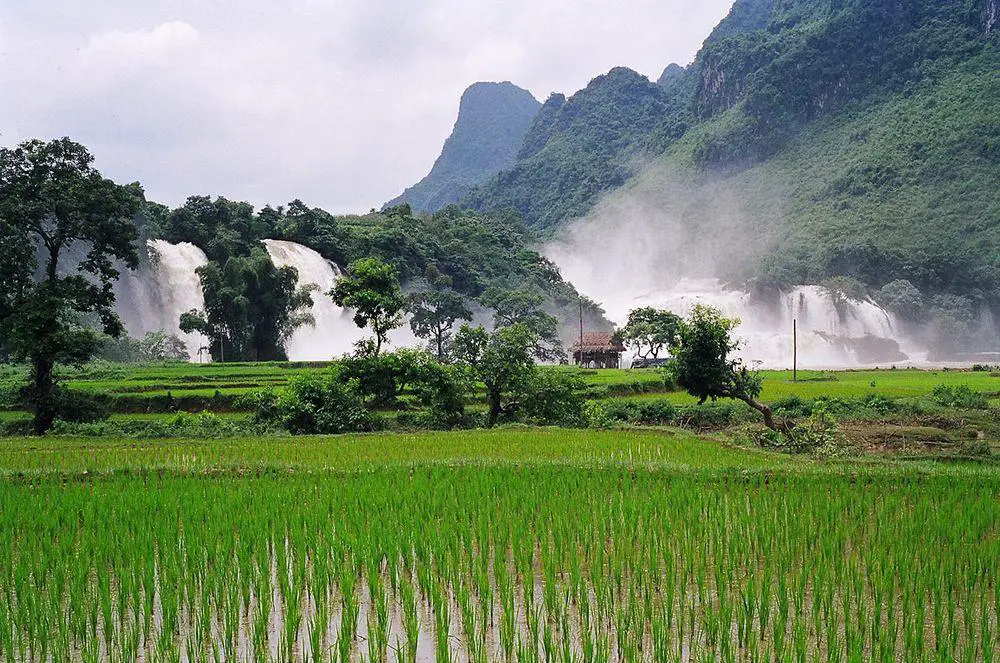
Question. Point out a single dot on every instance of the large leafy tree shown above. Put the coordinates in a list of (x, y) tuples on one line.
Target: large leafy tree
[(513, 307), (503, 361), (64, 232), (435, 312), (371, 290), (649, 330), (703, 363), (251, 308)]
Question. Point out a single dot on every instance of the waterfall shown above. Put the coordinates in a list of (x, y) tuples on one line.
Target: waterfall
[(830, 334), (178, 287), (153, 297), (334, 333)]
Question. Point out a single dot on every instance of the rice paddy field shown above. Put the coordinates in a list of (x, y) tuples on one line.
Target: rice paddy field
[(507, 545)]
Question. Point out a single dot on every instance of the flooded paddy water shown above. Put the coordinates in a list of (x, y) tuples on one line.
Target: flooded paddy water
[(481, 563)]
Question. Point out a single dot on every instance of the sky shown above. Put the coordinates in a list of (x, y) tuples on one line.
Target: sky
[(340, 103)]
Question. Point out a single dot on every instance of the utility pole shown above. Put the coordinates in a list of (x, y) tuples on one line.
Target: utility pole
[(795, 350), (581, 332)]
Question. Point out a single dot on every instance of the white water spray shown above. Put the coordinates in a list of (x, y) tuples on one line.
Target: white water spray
[(334, 333), (178, 287), (830, 334), (154, 297)]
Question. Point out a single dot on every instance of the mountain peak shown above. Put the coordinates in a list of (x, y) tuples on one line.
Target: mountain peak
[(492, 121)]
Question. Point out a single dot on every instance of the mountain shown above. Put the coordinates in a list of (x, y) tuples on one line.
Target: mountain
[(576, 149), (492, 121)]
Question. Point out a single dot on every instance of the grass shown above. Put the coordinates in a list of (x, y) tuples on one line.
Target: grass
[(514, 544)]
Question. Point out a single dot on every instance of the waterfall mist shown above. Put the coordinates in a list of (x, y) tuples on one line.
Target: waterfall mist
[(167, 285), (669, 241), (334, 333)]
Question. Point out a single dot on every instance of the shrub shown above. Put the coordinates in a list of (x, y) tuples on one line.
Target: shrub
[(317, 403), (443, 389), (554, 398), (383, 378), (962, 397), (715, 416), (185, 424), (794, 407), (760, 435), (81, 407)]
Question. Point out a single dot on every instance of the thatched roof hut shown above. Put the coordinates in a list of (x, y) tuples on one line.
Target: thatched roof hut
[(598, 350)]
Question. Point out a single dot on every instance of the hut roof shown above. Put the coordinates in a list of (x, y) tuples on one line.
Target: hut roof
[(598, 342)]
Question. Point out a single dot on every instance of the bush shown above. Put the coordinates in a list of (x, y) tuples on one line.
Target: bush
[(317, 403), (443, 389), (962, 397), (793, 407), (554, 399), (382, 379), (760, 435), (715, 416), (81, 407), (183, 424), (609, 414)]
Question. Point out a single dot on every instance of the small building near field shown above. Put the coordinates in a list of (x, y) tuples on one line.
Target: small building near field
[(598, 350)]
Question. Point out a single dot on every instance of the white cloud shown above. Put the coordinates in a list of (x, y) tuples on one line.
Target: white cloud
[(156, 45), (342, 103)]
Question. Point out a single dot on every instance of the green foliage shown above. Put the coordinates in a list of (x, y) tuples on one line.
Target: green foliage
[(382, 378), (320, 403), (251, 307), (960, 396), (701, 360), (555, 399), (902, 298), (371, 290), (641, 413), (577, 149), (649, 331), (156, 346), (503, 361), (521, 307), (434, 312), (53, 200)]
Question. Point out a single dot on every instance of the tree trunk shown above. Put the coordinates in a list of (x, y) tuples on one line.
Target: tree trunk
[(44, 387), (495, 408), (764, 410)]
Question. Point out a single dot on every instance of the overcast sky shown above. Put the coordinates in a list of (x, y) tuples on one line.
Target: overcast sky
[(341, 103)]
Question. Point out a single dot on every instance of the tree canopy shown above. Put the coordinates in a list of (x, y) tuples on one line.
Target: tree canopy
[(371, 289), (65, 232), (703, 363), (649, 331), (503, 361)]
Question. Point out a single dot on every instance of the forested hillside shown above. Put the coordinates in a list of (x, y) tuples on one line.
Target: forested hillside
[(576, 149), (847, 138), (492, 121), (475, 253)]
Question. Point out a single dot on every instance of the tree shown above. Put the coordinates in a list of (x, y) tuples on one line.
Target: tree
[(53, 203), (512, 307), (702, 364), (435, 312), (649, 330), (503, 361), (251, 308), (372, 290)]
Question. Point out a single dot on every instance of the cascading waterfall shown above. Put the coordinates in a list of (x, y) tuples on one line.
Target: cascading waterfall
[(830, 334), (334, 333), (178, 287), (153, 297)]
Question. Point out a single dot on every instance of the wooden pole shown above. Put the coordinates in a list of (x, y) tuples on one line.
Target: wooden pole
[(581, 332), (795, 350)]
